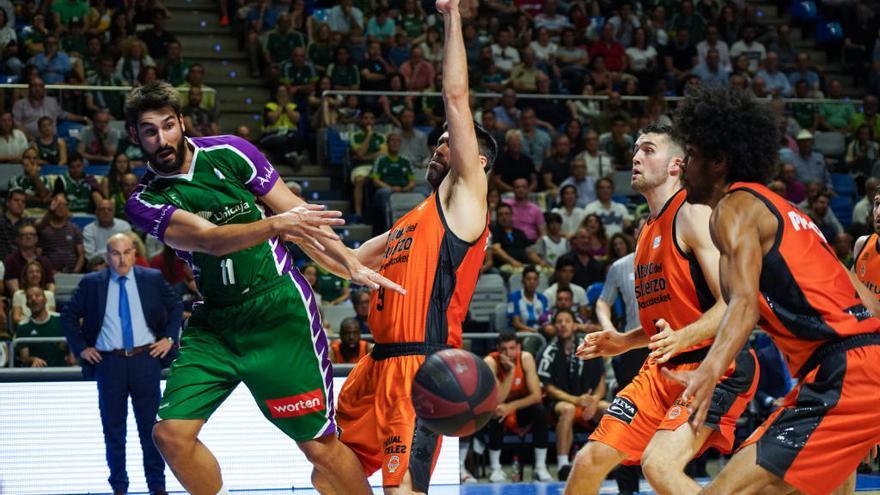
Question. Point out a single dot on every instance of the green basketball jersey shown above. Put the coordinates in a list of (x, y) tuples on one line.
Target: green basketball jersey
[(226, 177)]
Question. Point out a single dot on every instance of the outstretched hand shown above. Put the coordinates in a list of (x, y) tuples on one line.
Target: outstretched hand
[(303, 224), (699, 386), (601, 344), (362, 275), (667, 342)]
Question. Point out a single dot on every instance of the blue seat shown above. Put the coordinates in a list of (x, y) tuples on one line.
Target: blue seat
[(844, 184), (97, 169), (139, 171), (48, 169), (842, 206), (593, 292), (82, 219), (337, 148)]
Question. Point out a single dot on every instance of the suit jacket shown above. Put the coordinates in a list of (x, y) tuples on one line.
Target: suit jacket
[(83, 315)]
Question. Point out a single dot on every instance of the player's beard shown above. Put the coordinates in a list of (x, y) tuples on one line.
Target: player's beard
[(169, 166), (435, 174)]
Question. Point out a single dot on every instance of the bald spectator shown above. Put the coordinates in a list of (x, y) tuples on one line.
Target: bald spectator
[(61, 239), (776, 82), (27, 111), (13, 142), (96, 234)]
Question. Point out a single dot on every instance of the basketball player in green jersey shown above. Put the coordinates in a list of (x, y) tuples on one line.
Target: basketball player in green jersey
[(212, 199)]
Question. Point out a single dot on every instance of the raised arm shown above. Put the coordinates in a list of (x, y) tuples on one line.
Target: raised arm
[(740, 227)]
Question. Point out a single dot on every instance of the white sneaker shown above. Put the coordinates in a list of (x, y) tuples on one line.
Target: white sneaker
[(498, 476), (467, 477), (542, 474)]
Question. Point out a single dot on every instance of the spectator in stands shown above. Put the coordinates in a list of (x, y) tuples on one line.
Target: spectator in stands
[(820, 212), (543, 46), (566, 268), (867, 115), (129, 183), (174, 67), (525, 306), (278, 47), (519, 405), (776, 82), (642, 59), (281, 136), (366, 146), (597, 239), (111, 184), (198, 121), (12, 217), (134, 57), (195, 78), (117, 341), (611, 50), (795, 190), (571, 214), (711, 73), (614, 216), (572, 61), (360, 299), (517, 165), (391, 174), (584, 184), (418, 72), (9, 53), (598, 162), (803, 72), (33, 36), (91, 59), (60, 238), (31, 182), (343, 17), (553, 244), (843, 248), (536, 142), (505, 55), (65, 10), (524, 76), (52, 63), (82, 191), (557, 166), (400, 51), (713, 40), (806, 114), (110, 101), (754, 51), (13, 142), (49, 147), (618, 144), (679, 58), (564, 302), (96, 234), (381, 27), (810, 165), (298, 74), (333, 289), (33, 275), (689, 20), (506, 113), (343, 73), (527, 216), (835, 115), (862, 152), (27, 111), (157, 38), (413, 142), (375, 71), (575, 388), (588, 270), (510, 246), (862, 209), (349, 348), (15, 262), (41, 323), (97, 142), (310, 273), (121, 28)]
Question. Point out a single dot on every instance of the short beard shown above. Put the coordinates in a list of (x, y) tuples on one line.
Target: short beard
[(175, 164), (435, 178)]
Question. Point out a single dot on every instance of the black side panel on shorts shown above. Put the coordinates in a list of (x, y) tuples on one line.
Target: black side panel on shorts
[(780, 445), (452, 253), (728, 390), (422, 450)]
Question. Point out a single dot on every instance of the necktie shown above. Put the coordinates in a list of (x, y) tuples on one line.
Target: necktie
[(125, 317)]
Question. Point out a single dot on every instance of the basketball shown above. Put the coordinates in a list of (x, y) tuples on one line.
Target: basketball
[(454, 393)]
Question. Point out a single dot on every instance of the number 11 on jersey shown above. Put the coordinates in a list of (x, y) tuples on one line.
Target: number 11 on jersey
[(227, 272)]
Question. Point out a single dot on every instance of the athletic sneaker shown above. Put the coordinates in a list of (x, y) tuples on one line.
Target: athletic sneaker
[(564, 471), (467, 477), (542, 474), (498, 476)]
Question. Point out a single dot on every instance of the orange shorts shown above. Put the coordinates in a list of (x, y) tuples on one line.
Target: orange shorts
[(651, 402), (377, 421), (826, 425)]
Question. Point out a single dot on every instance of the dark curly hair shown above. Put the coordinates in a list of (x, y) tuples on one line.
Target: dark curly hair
[(733, 127)]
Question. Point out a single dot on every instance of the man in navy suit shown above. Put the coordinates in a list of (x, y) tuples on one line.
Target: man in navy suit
[(130, 322)]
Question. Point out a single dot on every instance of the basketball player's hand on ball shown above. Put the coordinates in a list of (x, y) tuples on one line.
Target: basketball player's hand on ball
[(699, 385), (362, 275), (599, 344), (666, 342), (304, 224)]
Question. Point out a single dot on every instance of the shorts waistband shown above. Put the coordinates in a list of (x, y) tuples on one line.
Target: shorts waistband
[(839, 345), (688, 357), (385, 351), (250, 293)]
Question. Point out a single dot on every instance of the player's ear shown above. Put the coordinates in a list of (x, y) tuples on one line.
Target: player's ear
[(132, 133), (182, 124), (675, 165), (484, 163)]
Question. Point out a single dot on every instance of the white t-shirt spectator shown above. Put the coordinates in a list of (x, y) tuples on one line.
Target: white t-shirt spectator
[(95, 237), (505, 58), (723, 52), (13, 146), (570, 221), (543, 53), (551, 250), (578, 293), (753, 51), (638, 58), (612, 216)]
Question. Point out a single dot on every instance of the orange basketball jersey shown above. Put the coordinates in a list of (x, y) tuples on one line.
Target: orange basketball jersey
[(519, 388), (669, 282), (807, 297), (867, 267), (439, 272), (336, 346)]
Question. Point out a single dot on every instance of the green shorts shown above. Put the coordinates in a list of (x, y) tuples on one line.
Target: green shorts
[(270, 341)]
